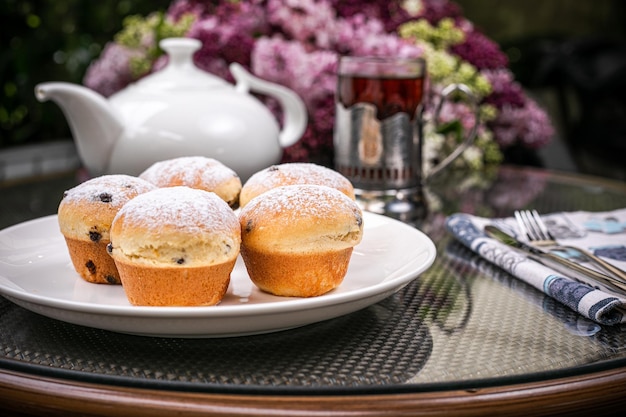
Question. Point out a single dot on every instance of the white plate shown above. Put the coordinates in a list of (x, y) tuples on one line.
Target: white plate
[(36, 273)]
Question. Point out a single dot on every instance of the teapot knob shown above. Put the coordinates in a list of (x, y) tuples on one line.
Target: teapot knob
[(181, 73), (180, 50)]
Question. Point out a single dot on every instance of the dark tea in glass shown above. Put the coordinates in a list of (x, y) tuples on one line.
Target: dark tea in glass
[(378, 112), (378, 137), (389, 94)]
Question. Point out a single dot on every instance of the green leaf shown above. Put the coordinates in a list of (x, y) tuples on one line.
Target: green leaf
[(453, 127)]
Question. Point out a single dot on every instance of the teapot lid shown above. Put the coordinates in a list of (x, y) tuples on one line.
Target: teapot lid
[(181, 73)]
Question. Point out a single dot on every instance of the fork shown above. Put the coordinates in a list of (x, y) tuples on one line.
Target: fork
[(531, 224)]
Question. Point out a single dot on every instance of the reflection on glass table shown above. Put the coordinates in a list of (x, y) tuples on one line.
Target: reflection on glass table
[(463, 334)]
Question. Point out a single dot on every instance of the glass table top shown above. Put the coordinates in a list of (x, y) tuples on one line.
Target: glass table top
[(463, 323)]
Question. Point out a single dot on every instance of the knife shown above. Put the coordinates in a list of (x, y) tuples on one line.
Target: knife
[(562, 265)]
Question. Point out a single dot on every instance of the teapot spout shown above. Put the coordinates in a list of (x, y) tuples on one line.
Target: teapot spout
[(94, 123)]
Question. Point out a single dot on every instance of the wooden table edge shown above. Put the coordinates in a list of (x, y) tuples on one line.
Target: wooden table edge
[(589, 394)]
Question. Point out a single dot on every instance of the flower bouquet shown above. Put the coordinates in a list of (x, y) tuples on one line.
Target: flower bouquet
[(297, 43)]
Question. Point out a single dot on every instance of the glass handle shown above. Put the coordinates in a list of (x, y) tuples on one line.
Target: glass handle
[(471, 135)]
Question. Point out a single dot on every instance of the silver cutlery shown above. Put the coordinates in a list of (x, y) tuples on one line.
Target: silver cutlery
[(531, 224), (561, 265)]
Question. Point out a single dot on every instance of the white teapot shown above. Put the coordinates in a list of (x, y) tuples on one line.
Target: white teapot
[(179, 111)]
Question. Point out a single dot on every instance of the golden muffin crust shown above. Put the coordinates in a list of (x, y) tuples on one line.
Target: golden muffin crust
[(175, 246), (87, 210), (297, 240), (85, 214)]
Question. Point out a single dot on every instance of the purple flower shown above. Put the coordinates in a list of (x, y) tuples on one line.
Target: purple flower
[(480, 51), (227, 36), (310, 74), (389, 13), (178, 8), (505, 91), (360, 35), (451, 111), (310, 22), (112, 71), (313, 147), (528, 125), (297, 43), (435, 10)]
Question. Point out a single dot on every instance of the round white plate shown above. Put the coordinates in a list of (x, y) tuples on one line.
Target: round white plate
[(36, 273)]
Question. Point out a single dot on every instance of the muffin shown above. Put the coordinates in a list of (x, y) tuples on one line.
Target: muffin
[(196, 172), (292, 174), (175, 246), (297, 240), (85, 214)]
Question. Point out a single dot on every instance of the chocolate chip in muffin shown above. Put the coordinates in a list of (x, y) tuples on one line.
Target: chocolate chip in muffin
[(111, 279), (273, 168), (105, 197), (91, 267), (248, 228), (180, 261), (94, 236), (110, 248)]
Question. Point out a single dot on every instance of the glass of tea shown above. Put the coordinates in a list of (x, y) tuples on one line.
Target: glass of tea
[(378, 137)]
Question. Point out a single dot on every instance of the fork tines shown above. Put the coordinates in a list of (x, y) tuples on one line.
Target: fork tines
[(531, 224)]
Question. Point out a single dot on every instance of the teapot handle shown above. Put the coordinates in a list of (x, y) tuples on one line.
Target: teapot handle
[(294, 110)]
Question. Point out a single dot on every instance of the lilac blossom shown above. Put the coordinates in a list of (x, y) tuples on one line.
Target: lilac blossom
[(227, 38), (297, 43), (112, 71), (505, 91), (480, 51), (451, 111), (178, 8), (360, 35), (306, 21), (310, 74), (390, 13), (528, 125), (435, 10)]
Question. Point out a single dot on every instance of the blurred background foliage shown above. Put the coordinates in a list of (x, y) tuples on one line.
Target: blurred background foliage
[(530, 30), (56, 40), (42, 40)]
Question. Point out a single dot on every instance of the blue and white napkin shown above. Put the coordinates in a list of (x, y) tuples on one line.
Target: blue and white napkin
[(602, 233)]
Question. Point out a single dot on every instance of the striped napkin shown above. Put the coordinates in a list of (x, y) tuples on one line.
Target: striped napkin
[(602, 233)]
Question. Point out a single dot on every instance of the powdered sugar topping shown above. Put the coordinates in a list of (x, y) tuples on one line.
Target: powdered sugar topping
[(189, 170), (303, 200), (114, 189), (189, 210), (299, 173)]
